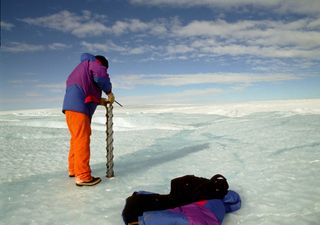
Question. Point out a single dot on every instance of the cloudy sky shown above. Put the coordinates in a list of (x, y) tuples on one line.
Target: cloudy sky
[(162, 51)]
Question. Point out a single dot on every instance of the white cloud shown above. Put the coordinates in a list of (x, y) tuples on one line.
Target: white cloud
[(6, 26), (178, 49), (213, 28), (33, 94), (87, 24), (266, 38), (79, 25), (22, 82), (314, 24), (137, 50), (278, 52), (211, 3), (154, 27), (35, 86), (52, 86), (16, 47), (235, 82), (111, 46), (19, 47), (133, 25), (196, 39), (57, 46), (299, 6), (187, 96), (93, 47), (195, 93), (91, 28), (33, 99), (200, 39), (130, 81), (281, 6), (264, 32)]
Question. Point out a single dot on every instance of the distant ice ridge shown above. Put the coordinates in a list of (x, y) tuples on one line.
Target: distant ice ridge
[(303, 106), (131, 124), (33, 112), (130, 118), (307, 106)]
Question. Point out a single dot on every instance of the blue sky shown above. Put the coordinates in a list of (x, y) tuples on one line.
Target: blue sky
[(162, 51)]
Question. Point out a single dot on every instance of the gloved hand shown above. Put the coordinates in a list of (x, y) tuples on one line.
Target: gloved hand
[(111, 98), (103, 101)]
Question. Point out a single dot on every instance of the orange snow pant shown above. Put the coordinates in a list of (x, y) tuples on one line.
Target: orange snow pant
[(79, 153)]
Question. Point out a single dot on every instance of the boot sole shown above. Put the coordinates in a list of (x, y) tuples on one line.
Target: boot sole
[(89, 183)]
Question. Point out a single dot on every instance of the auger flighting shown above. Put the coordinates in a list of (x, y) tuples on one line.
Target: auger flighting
[(109, 136)]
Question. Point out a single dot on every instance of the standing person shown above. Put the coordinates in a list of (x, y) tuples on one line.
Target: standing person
[(83, 93)]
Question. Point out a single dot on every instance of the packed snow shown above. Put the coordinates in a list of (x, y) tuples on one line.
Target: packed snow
[(268, 151)]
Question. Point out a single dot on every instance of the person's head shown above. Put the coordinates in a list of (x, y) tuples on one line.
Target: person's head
[(102, 60)]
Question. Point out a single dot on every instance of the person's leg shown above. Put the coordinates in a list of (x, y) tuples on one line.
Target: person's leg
[(71, 160), (79, 154)]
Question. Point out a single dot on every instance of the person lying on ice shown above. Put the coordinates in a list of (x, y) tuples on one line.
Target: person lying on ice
[(192, 200), (83, 93)]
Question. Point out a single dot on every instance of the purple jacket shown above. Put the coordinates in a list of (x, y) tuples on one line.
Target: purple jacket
[(85, 85), (198, 213)]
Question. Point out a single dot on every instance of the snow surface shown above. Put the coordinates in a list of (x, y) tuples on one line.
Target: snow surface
[(268, 151)]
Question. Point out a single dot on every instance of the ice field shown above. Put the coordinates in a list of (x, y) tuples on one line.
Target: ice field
[(268, 151)]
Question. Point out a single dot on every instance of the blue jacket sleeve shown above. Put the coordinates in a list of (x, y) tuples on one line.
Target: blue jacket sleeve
[(103, 83), (87, 56), (100, 76)]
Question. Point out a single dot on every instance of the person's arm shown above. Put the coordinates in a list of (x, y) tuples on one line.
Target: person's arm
[(102, 79), (87, 56), (103, 82), (100, 76)]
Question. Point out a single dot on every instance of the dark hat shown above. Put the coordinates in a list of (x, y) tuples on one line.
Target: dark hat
[(103, 60)]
